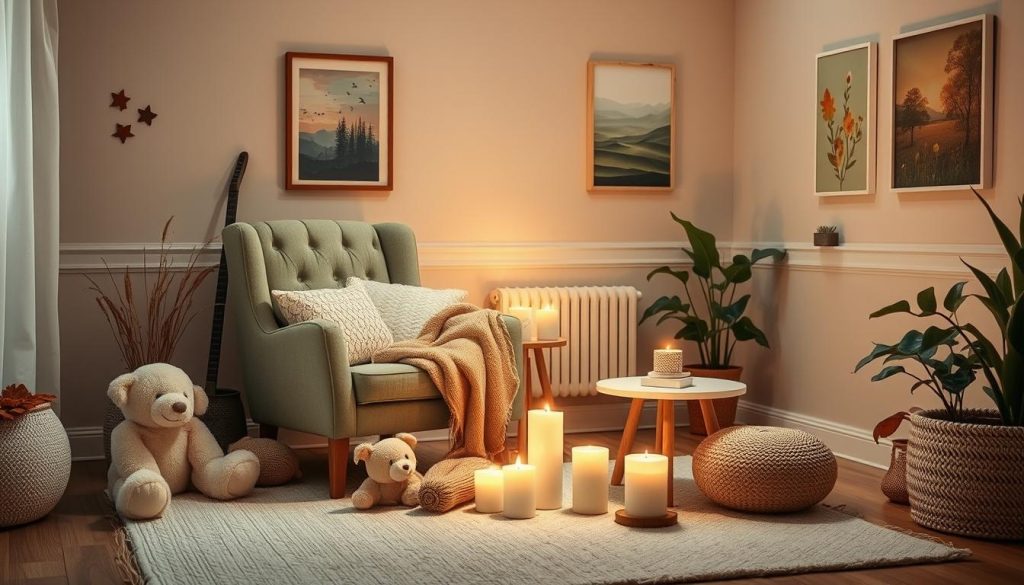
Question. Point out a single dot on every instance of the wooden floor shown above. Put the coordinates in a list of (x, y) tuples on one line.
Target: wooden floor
[(75, 543)]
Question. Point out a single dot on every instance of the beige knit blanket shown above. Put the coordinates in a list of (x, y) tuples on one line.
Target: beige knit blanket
[(468, 354)]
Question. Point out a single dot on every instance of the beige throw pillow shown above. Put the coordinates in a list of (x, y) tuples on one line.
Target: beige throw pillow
[(350, 307), (406, 309)]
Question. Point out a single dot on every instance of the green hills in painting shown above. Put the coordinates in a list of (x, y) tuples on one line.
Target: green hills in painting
[(632, 144)]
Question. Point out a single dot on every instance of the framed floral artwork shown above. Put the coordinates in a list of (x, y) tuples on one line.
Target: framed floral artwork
[(942, 106), (630, 126), (844, 132), (338, 122)]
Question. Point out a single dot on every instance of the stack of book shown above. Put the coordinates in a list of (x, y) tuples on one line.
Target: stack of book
[(667, 379)]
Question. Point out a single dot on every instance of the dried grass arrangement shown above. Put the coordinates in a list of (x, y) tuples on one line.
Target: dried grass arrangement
[(147, 325)]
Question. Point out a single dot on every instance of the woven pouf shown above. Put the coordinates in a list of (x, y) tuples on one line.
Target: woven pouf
[(764, 469), (35, 464), (278, 463)]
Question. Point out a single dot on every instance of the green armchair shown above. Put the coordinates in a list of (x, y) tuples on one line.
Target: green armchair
[(297, 376)]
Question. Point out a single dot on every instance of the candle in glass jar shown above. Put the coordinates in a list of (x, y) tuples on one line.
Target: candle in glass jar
[(525, 316), (668, 361), (489, 488), (544, 449), (590, 480), (646, 485), (547, 322), (519, 490)]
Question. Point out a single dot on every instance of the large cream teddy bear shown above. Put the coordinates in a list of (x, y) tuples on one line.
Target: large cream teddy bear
[(391, 467), (161, 448)]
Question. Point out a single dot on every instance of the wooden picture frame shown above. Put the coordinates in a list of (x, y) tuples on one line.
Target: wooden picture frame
[(845, 121), (629, 145), (950, 113), (339, 122)]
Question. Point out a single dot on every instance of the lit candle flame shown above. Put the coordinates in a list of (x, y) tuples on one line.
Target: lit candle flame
[(518, 462), (547, 408), (645, 453)]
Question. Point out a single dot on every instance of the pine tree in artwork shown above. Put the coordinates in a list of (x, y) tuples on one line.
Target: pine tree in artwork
[(340, 142)]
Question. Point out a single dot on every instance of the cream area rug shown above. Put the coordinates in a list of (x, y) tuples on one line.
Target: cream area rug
[(293, 534)]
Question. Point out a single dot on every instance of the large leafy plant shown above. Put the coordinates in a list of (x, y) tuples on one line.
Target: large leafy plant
[(950, 356), (720, 323)]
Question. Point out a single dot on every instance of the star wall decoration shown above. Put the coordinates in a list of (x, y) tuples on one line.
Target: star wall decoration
[(119, 100), (146, 116), (124, 132)]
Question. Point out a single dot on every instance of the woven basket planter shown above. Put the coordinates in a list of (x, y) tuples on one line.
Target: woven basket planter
[(35, 464), (966, 478)]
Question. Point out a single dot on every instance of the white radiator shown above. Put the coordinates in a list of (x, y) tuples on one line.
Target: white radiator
[(600, 324)]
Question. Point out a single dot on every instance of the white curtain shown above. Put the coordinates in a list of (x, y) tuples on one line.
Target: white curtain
[(29, 148)]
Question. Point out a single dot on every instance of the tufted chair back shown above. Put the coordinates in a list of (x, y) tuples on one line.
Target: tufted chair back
[(313, 254)]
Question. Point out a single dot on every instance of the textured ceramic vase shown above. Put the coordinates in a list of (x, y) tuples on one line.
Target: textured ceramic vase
[(35, 464), (894, 484)]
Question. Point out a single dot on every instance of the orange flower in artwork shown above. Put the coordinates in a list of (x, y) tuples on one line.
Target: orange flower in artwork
[(838, 146), (828, 106), (848, 123)]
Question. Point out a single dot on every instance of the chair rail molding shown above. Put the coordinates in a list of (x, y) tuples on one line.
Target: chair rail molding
[(870, 258)]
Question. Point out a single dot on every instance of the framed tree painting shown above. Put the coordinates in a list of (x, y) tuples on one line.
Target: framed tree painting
[(338, 121), (630, 126), (942, 106), (844, 134)]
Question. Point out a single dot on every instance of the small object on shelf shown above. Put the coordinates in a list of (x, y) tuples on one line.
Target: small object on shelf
[(668, 361), (826, 236), (123, 132), (646, 492), (519, 490), (146, 116), (670, 518), (489, 486), (119, 100), (546, 320), (544, 446), (667, 382), (590, 480), (525, 316)]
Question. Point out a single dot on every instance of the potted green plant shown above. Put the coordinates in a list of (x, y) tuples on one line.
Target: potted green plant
[(965, 467), (826, 236), (711, 316)]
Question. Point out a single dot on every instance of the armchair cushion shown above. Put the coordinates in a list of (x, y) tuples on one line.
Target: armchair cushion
[(351, 308), (378, 383), (406, 308)]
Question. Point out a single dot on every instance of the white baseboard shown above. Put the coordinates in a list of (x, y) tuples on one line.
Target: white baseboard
[(845, 441)]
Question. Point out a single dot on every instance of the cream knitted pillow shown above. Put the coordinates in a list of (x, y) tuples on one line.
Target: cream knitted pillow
[(350, 307), (405, 308)]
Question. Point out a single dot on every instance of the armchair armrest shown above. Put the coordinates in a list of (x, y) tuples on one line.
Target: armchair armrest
[(515, 331), (313, 393)]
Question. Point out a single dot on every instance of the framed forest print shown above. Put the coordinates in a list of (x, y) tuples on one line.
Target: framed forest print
[(844, 134), (338, 121), (942, 106), (630, 126)]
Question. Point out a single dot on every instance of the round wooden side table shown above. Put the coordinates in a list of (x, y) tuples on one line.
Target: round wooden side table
[(704, 390), (537, 348)]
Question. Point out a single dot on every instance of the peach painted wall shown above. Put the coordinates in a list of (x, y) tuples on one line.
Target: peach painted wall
[(489, 133), (817, 318)]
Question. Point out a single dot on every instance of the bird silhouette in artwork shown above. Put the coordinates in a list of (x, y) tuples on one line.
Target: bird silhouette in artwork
[(348, 93), (146, 116), (354, 85), (123, 132), (362, 101), (351, 109), (119, 100)]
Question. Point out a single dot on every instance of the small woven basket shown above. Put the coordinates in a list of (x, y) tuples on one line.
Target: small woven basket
[(35, 464), (764, 469), (966, 478)]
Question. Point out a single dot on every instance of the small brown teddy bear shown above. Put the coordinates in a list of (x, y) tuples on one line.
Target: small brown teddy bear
[(391, 467)]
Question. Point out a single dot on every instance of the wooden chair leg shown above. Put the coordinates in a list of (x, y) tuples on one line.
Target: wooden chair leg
[(668, 442), (268, 431), (628, 435), (545, 380), (527, 402), (337, 466), (659, 419)]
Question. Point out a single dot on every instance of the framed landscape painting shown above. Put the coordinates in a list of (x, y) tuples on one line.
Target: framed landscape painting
[(942, 106), (630, 126), (338, 122), (844, 134)]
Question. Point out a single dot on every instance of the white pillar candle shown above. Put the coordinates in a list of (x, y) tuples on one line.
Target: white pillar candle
[(590, 480), (544, 450), (520, 490), (646, 485), (525, 315), (489, 488), (668, 361), (547, 323)]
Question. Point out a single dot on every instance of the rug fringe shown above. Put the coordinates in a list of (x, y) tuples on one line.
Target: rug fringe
[(124, 556), (962, 553)]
